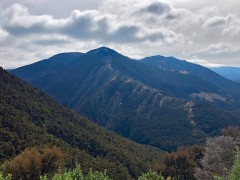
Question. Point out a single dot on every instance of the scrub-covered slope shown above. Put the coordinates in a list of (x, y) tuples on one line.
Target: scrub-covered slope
[(29, 118)]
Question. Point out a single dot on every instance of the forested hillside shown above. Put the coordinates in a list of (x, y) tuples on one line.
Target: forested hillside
[(29, 118)]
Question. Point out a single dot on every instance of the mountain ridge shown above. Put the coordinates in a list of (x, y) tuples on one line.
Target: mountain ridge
[(229, 72), (162, 108)]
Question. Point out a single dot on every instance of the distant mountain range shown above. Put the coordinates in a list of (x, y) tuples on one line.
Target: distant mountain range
[(232, 73), (29, 118), (159, 101)]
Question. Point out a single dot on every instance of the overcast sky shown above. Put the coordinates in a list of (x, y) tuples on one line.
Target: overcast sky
[(201, 31)]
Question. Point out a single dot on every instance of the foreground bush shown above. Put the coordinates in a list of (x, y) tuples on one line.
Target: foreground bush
[(151, 176), (218, 157), (32, 163), (234, 172), (48, 164), (76, 174), (7, 177)]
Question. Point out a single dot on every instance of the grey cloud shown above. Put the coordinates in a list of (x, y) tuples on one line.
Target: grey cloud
[(125, 34), (84, 25), (218, 21), (230, 24), (18, 21), (215, 22), (158, 8), (222, 53), (166, 36), (3, 35), (215, 49), (227, 58), (50, 42), (163, 9), (233, 28), (144, 27)]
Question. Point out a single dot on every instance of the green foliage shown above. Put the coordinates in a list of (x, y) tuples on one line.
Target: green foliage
[(3, 177), (70, 174), (151, 175), (28, 118), (77, 174), (234, 172), (97, 175)]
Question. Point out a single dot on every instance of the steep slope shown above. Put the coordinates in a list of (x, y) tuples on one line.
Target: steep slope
[(135, 100), (226, 93), (232, 73), (62, 74), (30, 118)]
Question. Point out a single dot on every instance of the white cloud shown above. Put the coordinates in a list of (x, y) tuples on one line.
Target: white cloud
[(233, 28), (204, 62), (3, 35), (137, 28), (229, 24), (215, 55), (216, 49), (217, 21), (86, 25)]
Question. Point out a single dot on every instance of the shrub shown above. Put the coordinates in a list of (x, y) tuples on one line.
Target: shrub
[(218, 157), (32, 163), (151, 176)]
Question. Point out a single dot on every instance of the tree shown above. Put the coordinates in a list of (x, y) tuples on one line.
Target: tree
[(218, 157), (235, 170), (231, 131), (180, 164), (234, 173), (32, 163)]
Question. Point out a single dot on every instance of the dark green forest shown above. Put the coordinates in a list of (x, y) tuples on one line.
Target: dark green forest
[(29, 118)]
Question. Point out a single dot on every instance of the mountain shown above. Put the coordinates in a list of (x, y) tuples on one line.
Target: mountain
[(232, 73), (29, 118), (218, 90), (158, 107)]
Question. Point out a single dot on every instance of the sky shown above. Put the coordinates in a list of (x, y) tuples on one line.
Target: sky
[(205, 32)]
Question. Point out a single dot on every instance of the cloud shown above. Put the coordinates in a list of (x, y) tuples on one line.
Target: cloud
[(159, 8), (217, 49), (216, 54), (233, 28), (38, 28), (5, 40), (204, 62), (3, 35), (229, 24), (84, 25), (33, 1), (52, 40), (218, 21), (161, 12), (18, 21)]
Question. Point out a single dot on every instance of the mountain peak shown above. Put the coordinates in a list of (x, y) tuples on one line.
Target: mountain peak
[(103, 51)]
